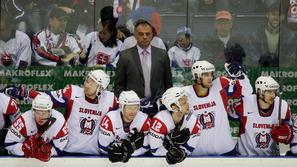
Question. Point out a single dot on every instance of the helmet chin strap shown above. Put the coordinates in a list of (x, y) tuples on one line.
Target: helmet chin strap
[(201, 83)]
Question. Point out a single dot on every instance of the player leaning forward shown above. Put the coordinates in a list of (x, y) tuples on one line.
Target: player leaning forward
[(123, 131), (85, 108), (210, 99), (174, 132), (38, 133), (264, 120)]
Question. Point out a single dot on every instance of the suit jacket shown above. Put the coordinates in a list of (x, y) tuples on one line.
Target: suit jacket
[(129, 75)]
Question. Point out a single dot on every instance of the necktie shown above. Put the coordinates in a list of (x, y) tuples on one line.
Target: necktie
[(146, 74)]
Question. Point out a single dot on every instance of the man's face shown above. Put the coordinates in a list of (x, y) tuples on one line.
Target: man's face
[(41, 116), (274, 18), (130, 112), (143, 34), (58, 25), (90, 87), (269, 96), (206, 79), (223, 27), (183, 41)]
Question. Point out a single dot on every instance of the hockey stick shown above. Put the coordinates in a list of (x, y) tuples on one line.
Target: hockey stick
[(279, 119), (51, 120)]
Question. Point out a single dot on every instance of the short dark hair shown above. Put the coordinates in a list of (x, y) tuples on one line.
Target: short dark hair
[(142, 22)]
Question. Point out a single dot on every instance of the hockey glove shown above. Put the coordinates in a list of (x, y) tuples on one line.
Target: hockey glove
[(282, 134), (17, 92), (136, 139), (42, 152), (179, 137), (235, 70), (120, 152), (175, 155), (27, 147)]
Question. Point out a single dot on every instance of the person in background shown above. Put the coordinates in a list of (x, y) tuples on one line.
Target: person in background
[(183, 54)]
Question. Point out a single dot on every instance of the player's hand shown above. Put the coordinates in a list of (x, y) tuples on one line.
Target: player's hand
[(282, 134), (175, 155), (42, 152), (119, 152), (6, 59), (136, 138), (17, 92), (27, 147), (179, 137), (235, 70)]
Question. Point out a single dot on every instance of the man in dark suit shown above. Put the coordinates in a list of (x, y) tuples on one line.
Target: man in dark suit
[(143, 68)]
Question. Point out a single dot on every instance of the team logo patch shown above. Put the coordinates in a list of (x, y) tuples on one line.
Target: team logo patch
[(207, 120), (103, 58), (262, 140), (87, 125)]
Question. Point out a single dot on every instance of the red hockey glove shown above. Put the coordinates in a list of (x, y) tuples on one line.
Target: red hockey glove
[(43, 152), (28, 147), (282, 134)]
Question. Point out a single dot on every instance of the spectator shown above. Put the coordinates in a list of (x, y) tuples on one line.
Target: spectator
[(15, 46), (102, 48), (183, 54), (273, 44), (143, 68), (215, 45), (53, 46)]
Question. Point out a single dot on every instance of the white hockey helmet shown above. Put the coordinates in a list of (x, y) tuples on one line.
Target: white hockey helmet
[(266, 83), (42, 102), (200, 67), (128, 98), (171, 96), (101, 78)]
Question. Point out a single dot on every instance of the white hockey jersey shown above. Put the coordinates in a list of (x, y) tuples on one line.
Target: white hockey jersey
[(83, 117), (162, 124), (293, 144), (18, 47), (25, 126), (112, 130), (181, 58), (255, 128), (130, 42), (211, 110), (97, 53), (48, 40), (8, 110)]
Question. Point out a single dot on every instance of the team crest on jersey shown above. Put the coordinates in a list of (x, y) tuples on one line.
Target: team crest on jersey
[(103, 58), (87, 125), (207, 120), (262, 140), (187, 62)]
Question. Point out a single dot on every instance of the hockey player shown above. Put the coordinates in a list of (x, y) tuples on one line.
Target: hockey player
[(9, 111), (53, 45), (15, 46), (174, 132), (183, 54), (261, 126), (102, 47), (85, 107), (209, 100), (123, 133), (38, 133)]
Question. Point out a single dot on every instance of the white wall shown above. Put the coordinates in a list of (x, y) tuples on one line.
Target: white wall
[(151, 162)]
